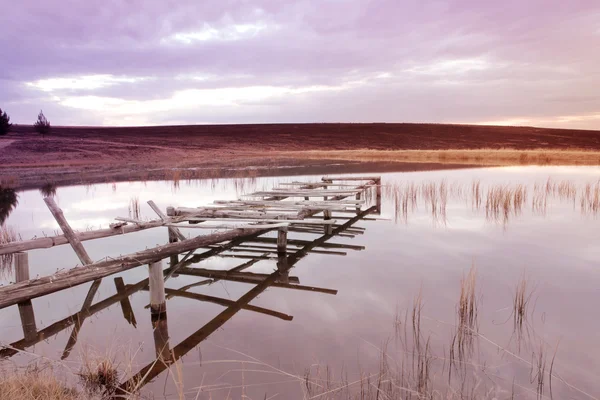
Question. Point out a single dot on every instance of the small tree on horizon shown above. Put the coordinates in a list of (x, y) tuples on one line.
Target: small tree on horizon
[(4, 123), (42, 125)]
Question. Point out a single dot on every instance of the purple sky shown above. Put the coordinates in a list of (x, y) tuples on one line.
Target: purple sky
[(525, 62)]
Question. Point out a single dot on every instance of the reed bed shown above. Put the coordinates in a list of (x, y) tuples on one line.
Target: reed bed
[(501, 202)]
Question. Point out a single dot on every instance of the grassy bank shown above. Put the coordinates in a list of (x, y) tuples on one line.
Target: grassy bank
[(490, 157)]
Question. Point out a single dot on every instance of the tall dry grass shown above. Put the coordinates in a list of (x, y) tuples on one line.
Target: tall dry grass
[(134, 208), (501, 202), (496, 157), (36, 384), (8, 234)]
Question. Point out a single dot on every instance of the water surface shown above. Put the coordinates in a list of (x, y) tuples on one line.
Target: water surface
[(426, 248)]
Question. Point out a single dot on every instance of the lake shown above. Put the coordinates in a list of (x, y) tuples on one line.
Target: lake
[(473, 282)]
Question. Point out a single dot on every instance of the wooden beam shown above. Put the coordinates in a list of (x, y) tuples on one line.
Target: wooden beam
[(351, 178), (232, 226), (125, 303), (85, 260), (198, 272), (51, 241), (239, 268), (67, 231), (225, 302), (244, 277), (299, 242), (162, 216), (265, 221), (13, 294)]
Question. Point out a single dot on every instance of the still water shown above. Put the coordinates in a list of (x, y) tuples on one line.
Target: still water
[(396, 301)]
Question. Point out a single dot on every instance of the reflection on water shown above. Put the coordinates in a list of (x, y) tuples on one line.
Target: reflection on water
[(48, 190), (461, 308), (8, 201)]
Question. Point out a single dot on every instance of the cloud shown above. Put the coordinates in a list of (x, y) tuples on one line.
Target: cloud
[(328, 60)]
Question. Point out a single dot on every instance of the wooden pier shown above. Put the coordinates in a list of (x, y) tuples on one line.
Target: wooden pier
[(237, 230)]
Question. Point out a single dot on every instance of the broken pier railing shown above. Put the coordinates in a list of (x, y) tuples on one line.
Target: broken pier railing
[(237, 231)]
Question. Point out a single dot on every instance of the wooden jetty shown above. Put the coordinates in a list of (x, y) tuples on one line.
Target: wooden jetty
[(237, 230)]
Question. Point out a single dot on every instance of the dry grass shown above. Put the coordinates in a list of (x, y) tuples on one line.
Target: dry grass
[(590, 199), (503, 156), (503, 202), (521, 300), (8, 234), (100, 377), (467, 325), (48, 189), (35, 384)]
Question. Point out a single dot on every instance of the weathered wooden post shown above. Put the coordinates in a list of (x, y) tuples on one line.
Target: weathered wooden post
[(25, 307), (174, 259), (282, 241), (327, 217), (329, 181), (358, 195), (158, 311), (157, 288)]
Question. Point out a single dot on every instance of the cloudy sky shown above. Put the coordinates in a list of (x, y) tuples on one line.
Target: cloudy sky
[(133, 62)]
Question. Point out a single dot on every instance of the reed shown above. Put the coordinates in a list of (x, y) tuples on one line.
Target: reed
[(521, 300), (8, 234), (590, 199), (134, 208)]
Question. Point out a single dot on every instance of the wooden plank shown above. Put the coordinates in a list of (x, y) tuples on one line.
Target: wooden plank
[(215, 212), (51, 241), (85, 260), (162, 216), (265, 221), (326, 184), (13, 294), (67, 231), (299, 242), (351, 178), (275, 251), (233, 226)]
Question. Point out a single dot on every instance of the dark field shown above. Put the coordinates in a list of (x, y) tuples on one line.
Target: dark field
[(89, 154)]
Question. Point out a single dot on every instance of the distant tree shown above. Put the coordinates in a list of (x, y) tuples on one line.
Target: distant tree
[(42, 125), (4, 123)]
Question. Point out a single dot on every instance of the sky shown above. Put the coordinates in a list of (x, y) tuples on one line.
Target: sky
[(133, 62)]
